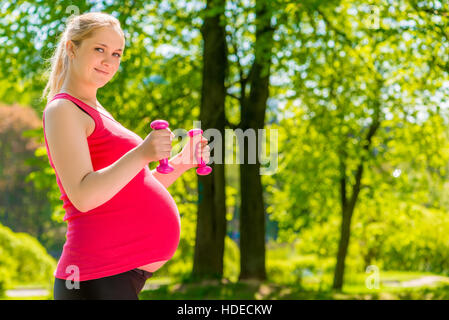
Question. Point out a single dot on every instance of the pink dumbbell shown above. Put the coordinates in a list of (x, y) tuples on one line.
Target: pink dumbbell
[(203, 169), (164, 166)]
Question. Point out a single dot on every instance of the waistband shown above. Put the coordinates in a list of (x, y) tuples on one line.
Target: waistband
[(143, 273)]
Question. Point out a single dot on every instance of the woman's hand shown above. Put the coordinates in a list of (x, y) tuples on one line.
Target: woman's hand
[(157, 145), (195, 148)]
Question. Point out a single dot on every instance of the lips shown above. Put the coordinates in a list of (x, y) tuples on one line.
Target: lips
[(101, 71)]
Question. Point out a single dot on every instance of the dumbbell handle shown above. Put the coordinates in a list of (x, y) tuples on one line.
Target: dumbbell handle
[(203, 169), (164, 166)]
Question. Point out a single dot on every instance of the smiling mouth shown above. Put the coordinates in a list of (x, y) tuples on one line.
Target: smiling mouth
[(102, 72)]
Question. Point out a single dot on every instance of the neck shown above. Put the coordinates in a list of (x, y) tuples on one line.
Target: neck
[(80, 90)]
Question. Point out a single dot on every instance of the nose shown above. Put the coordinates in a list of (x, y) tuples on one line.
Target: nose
[(107, 62)]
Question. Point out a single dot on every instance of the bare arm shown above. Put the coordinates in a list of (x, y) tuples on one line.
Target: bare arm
[(169, 178), (185, 160), (99, 186)]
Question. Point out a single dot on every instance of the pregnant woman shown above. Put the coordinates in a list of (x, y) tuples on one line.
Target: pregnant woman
[(122, 223)]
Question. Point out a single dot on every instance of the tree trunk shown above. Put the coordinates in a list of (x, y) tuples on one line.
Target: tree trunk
[(342, 250), (211, 222), (349, 206), (252, 214)]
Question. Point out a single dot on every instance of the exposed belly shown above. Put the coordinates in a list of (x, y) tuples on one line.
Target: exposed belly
[(152, 267)]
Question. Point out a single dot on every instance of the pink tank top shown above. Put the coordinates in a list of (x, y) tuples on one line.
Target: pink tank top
[(137, 226)]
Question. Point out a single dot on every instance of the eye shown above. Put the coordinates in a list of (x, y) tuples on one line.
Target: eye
[(118, 55)]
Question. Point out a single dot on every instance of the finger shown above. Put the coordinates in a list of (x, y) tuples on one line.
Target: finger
[(161, 131), (163, 136), (164, 132), (164, 155)]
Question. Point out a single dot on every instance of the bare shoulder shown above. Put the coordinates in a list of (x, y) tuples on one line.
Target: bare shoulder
[(59, 103), (62, 110)]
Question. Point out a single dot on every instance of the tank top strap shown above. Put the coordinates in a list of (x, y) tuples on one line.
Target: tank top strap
[(95, 114)]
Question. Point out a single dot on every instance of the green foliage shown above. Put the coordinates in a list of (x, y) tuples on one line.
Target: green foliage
[(351, 75), (422, 245), (184, 192), (180, 266), (285, 265), (231, 260), (7, 267), (24, 206), (23, 260)]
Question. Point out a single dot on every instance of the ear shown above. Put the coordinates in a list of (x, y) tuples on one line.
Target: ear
[(70, 48)]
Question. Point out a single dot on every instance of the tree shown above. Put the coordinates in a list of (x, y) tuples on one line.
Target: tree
[(211, 221), (352, 77), (253, 107)]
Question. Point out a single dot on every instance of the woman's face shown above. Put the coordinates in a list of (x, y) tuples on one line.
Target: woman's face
[(97, 59)]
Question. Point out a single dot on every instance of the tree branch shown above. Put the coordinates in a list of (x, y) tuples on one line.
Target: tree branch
[(234, 96), (358, 176), (345, 37)]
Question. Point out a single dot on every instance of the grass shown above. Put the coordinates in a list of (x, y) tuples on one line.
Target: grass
[(354, 288), (282, 260), (49, 297), (266, 291), (30, 286)]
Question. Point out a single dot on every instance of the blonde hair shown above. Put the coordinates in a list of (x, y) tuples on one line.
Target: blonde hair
[(78, 28)]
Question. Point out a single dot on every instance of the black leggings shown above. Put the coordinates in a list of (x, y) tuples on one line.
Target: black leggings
[(122, 286)]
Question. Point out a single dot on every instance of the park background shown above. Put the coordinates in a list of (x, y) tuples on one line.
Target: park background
[(357, 206)]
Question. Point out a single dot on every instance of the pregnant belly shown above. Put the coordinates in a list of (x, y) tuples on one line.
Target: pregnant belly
[(152, 267), (165, 220)]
